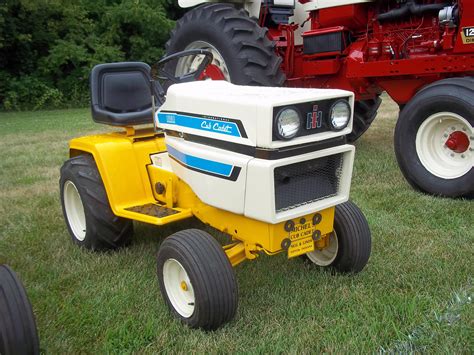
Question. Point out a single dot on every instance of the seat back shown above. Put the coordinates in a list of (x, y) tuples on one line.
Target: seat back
[(121, 94)]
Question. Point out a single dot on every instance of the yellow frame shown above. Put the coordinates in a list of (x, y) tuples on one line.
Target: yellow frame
[(124, 163)]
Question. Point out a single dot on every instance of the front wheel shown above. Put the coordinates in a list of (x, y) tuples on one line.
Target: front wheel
[(349, 245), (434, 139), (197, 280), (18, 334)]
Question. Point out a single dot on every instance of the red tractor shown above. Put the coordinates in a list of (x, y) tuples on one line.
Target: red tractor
[(421, 52)]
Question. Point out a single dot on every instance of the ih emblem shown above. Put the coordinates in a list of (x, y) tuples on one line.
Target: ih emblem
[(314, 119)]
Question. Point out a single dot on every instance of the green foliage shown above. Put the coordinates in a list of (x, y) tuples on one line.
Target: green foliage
[(47, 48)]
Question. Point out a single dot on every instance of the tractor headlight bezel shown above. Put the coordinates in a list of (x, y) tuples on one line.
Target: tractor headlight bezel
[(340, 115), (287, 123)]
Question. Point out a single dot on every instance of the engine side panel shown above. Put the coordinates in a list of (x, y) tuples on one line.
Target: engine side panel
[(218, 177)]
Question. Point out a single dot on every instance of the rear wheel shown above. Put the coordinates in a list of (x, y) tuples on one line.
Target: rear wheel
[(197, 280), (434, 139), (242, 52), (86, 209), (365, 112), (349, 245), (18, 334)]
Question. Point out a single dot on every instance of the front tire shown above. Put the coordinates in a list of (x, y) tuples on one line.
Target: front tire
[(243, 54), (18, 334), (86, 209), (197, 280), (350, 243), (434, 139)]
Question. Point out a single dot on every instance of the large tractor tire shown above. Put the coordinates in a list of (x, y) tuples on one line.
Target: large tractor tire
[(434, 139), (349, 245), (89, 218), (365, 112), (243, 54), (18, 334)]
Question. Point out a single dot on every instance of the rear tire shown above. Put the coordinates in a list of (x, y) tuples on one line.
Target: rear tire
[(365, 112), (197, 280), (422, 132), (18, 334), (248, 56), (350, 244), (86, 209)]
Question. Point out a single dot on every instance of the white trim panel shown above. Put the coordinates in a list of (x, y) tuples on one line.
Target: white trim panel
[(213, 190)]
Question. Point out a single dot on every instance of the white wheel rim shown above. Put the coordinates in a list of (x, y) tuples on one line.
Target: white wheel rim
[(191, 63), (74, 210), (432, 149), (178, 288), (326, 256)]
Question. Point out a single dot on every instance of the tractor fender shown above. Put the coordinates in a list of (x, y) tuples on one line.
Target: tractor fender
[(122, 164), (252, 6)]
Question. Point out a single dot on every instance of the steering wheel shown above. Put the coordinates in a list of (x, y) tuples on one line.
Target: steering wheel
[(192, 76)]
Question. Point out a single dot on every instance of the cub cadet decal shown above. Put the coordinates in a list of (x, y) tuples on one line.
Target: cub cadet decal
[(205, 166), (214, 124), (314, 119), (467, 35)]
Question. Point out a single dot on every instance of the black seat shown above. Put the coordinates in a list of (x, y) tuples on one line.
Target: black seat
[(120, 94)]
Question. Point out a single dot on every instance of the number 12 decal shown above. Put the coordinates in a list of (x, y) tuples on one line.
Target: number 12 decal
[(467, 35), (469, 31)]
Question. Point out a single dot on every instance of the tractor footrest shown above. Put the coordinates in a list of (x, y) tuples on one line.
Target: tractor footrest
[(154, 210)]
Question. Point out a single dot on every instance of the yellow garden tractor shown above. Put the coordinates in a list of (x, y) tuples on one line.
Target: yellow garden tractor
[(269, 167)]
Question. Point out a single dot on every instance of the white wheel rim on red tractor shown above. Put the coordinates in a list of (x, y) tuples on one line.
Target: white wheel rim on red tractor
[(445, 145), (178, 287), (326, 256), (191, 63), (74, 210)]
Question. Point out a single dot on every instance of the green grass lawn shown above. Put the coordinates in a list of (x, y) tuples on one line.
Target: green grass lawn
[(415, 294)]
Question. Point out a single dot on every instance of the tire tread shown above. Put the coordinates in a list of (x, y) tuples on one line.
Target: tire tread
[(245, 38), (18, 332), (105, 230), (209, 264)]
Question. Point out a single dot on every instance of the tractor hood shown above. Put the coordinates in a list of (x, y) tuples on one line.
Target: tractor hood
[(247, 115)]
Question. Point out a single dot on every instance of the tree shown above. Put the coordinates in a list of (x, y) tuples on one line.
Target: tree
[(47, 48)]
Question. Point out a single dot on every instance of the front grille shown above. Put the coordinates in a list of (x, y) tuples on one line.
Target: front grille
[(306, 182)]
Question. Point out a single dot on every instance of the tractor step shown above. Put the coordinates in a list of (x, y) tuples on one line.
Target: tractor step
[(154, 210), (155, 213)]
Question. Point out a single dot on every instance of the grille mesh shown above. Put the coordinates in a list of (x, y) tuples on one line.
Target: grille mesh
[(306, 182)]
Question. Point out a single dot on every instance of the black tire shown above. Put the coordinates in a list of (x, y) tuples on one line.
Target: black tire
[(353, 238), (18, 334), (103, 230), (365, 112), (247, 52), (453, 95), (211, 276)]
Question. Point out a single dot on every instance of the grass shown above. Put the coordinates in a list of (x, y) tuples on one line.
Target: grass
[(414, 296)]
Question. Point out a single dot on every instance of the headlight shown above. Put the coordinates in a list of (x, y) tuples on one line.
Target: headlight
[(288, 123), (340, 115)]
